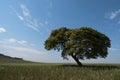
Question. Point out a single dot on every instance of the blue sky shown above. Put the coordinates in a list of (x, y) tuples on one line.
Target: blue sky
[(26, 24)]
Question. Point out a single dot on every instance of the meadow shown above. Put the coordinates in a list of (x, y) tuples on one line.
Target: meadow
[(47, 71)]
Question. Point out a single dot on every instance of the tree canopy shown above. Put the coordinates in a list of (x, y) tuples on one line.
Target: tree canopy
[(79, 43)]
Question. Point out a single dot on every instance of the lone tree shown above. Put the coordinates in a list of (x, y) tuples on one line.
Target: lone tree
[(80, 43)]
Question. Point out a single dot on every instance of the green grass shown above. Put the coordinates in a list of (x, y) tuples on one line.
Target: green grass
[(36, 71)]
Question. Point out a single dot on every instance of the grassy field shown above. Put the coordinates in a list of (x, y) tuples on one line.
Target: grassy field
[(37, 71)]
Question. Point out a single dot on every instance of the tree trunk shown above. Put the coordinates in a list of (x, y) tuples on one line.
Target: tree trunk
[(77, 60)]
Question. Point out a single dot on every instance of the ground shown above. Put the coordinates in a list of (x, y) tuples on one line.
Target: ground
[(50, 71)]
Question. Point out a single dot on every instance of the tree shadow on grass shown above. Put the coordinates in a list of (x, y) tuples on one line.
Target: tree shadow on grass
[(94, 66)]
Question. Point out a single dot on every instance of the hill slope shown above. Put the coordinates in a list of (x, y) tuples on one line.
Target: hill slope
[(8, 59)]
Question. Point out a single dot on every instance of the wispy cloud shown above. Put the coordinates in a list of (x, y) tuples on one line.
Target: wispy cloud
[(25, 10), (20, 17), (18, 48), (2, 30), (16, 13), (114, 49), (12, 40), (26, 53), (24, 49), (114, 14), (19, 45), (26, 17), (22, 42)]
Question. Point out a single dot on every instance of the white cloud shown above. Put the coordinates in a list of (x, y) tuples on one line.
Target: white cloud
[(24, 49), (2, 30), (20, 17), (25, 10), (28, 19), (26, 53), (18, 45), (22, 42), (12, 40), (15, 41), (18, 48), (16, 13), (32, 23), (114, 14), (114, 49)]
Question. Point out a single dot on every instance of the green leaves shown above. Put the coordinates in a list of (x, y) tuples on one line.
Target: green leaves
[(57, 39), (83, 42)]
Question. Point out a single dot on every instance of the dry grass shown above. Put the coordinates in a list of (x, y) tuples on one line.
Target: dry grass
[(33, 71)]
